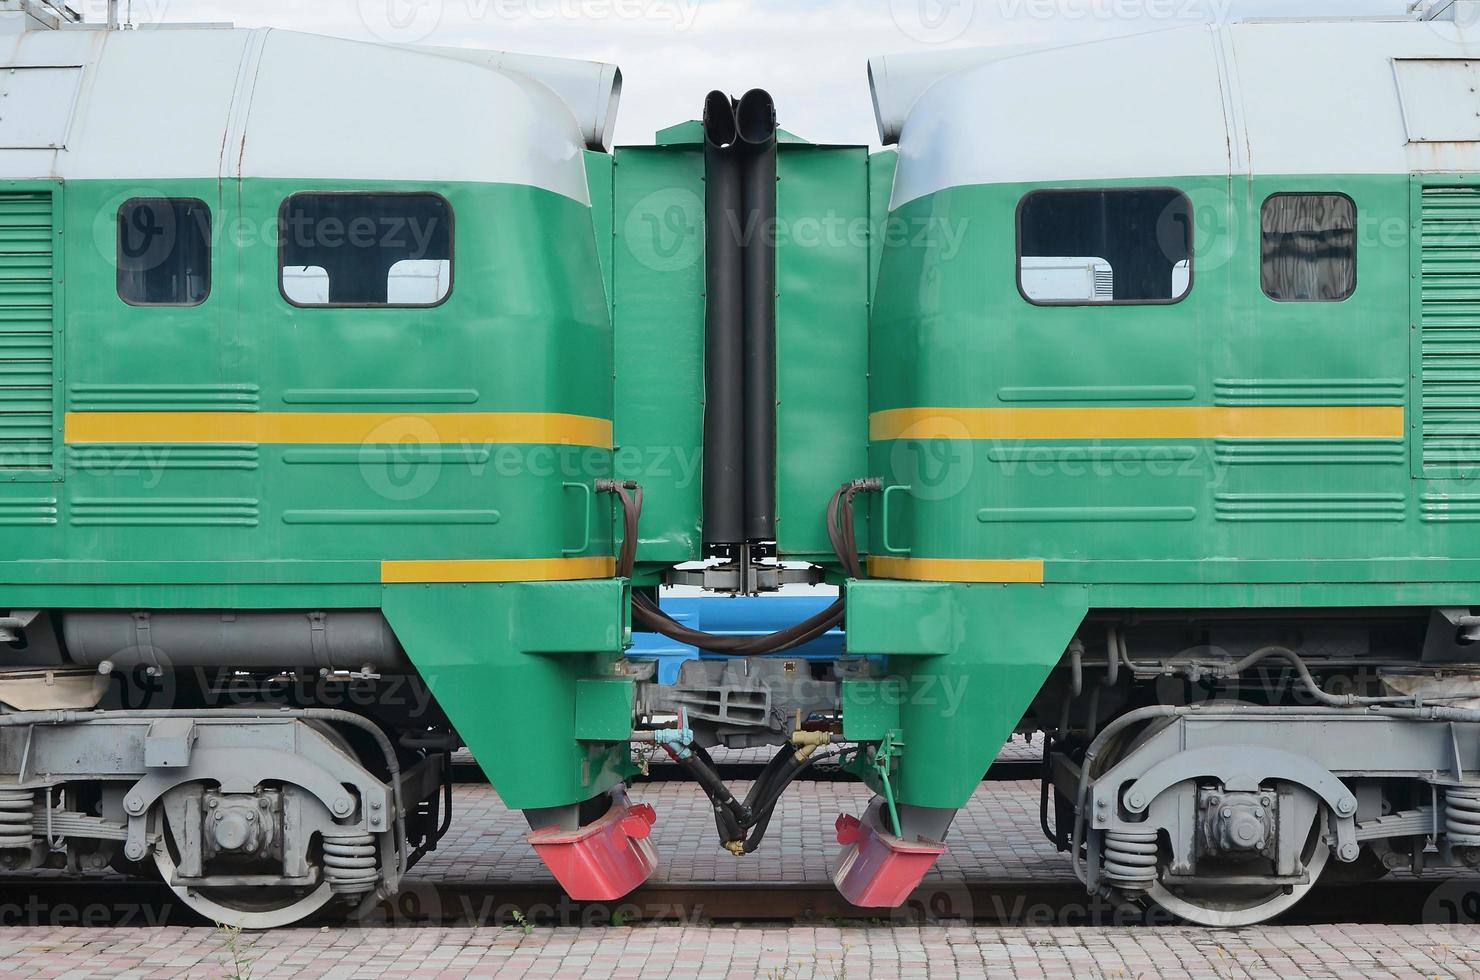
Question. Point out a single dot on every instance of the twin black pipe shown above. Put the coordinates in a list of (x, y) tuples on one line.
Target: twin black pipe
[(739, 319)]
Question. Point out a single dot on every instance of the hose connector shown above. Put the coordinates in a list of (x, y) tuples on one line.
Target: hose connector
[(869, 484), (808, 742), (677, 739), (612, 486)]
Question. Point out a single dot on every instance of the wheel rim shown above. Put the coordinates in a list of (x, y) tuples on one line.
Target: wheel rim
[(1206, 904), (268, 907)]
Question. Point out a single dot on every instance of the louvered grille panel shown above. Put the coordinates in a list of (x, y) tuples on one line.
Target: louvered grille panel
[(27, 276), (1450, 325)]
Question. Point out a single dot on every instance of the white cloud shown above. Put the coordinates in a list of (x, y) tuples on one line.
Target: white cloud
[(810, 54)]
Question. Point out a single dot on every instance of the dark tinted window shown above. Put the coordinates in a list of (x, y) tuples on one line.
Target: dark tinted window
[(1105, 246), (164, 251), (1308, 247), (366, 249)]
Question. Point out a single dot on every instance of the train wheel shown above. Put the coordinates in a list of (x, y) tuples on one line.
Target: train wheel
[(245, 906), (1221, 904)]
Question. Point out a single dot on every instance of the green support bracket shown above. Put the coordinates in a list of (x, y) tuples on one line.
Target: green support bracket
[(873, 764)]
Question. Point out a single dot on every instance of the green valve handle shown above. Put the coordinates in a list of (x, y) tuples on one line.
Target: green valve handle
[(586, 513), (889, 492)]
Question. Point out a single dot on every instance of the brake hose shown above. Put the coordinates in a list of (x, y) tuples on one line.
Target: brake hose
[(647, 614)]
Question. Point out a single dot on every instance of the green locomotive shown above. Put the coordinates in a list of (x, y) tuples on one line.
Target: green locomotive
[(307, 386), (1179, 441), (344, 428)]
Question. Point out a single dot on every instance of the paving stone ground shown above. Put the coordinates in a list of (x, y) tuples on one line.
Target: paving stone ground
[(997, 836), (799, 953)]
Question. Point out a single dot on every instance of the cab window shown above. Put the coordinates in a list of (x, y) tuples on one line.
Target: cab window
[(1308, 248), (1088, 247), (164, 251), (365, 250)]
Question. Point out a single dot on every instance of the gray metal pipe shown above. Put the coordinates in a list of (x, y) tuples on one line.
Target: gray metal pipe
[(351, 639)]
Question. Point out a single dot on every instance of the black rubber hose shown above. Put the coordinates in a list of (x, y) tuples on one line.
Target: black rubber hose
[(755, 118), (783, 779), (757, 833), (1045, 781), (724, 328), (647, 614), (730, 816), (650, 617), (757, 789), (762, 819), (631, 509)]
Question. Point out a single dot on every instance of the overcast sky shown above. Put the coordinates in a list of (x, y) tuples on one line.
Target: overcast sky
[(810, 54)]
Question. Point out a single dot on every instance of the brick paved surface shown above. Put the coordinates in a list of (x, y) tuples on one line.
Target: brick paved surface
[(996, 836), (727, 951)]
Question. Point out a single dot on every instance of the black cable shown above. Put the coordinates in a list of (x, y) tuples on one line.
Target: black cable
[(648, 615), (762, 817), (777, 763), (733, 818), (730, 816)]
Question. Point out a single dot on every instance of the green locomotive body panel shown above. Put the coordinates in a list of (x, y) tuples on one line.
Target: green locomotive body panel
[(523, 333), (244, 453), (827, 232), (1223, 451)]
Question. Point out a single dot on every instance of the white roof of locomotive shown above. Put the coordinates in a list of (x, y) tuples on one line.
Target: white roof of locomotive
[(151, 105), (1273, 97)]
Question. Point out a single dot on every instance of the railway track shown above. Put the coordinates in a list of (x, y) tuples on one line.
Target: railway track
[(104, 903)]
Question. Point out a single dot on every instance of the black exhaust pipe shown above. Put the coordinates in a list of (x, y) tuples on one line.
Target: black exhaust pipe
[(755, 118), (724, 411)]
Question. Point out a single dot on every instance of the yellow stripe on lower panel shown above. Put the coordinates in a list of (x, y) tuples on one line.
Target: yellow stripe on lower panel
[(339, 428), (1182, 422), (957, 569), (496, 570)]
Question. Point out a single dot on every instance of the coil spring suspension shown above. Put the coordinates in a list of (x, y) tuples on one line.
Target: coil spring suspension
[(1130, 859), (350, 862), (17, 826), (1462, 815)]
